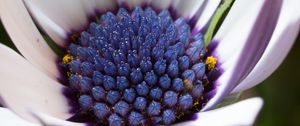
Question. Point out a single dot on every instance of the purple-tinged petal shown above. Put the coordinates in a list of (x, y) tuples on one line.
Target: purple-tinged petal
[(56, 32), (68, 14), (23, 88), (207, 12), (55, 24), (26, 36), (187, 8), (239, 48), (133, 3), (52, 121), (103, 5), (8, 118), (281, 42), (161, 4), (242, 113)]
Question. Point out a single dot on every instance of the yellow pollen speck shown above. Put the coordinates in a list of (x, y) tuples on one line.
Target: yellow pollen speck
[(211, 62), (69, 74), (74, 37), (196, 104), (179, 115), (67, 59), (202, 97), (188, 84)]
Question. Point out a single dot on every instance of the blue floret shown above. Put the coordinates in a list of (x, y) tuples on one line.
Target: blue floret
[(137, 67)]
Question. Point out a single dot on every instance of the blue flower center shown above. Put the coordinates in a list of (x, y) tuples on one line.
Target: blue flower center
[(138, 68)]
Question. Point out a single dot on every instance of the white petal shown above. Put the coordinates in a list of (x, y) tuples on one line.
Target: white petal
[(187, 8), (56, 32), (133, 3), (59, 18), (161, 4), (242, 113), (24, 88), (51, 121), (68, 14), (8, 118), (26, 36), (207, 12), (235, 28), (103, 5), (282, 40), (248, 29)]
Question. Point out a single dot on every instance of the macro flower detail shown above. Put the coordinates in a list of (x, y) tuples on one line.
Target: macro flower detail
[(128, 63), (139, 62)]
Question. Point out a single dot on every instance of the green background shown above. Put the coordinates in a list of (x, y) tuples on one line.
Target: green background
[(281, 91)]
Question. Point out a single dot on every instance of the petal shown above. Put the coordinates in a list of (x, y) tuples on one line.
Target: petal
[(187, 8), (103, 5), (281, 42), (51, 121), (57, 18), (206, 14), (24, 88), (242, 113), (56, 32), (161, 4), (8, 118), (239, 48), (132, 3), (26, 36), (68, 14)]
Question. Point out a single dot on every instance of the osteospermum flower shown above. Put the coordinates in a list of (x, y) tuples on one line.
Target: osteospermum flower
[(139, 62)]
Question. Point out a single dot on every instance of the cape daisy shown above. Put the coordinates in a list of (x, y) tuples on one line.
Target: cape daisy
[(139, 62)]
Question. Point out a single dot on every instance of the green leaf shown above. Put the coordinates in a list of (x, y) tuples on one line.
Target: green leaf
[(217, 19)]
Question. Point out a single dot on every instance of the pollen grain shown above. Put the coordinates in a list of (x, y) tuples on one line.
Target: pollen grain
[(67, 59), (211, 62)]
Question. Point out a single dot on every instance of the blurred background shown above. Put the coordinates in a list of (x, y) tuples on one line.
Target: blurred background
[(281, 91)]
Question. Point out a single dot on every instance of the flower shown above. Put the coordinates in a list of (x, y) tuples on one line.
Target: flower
[(249, 45)]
